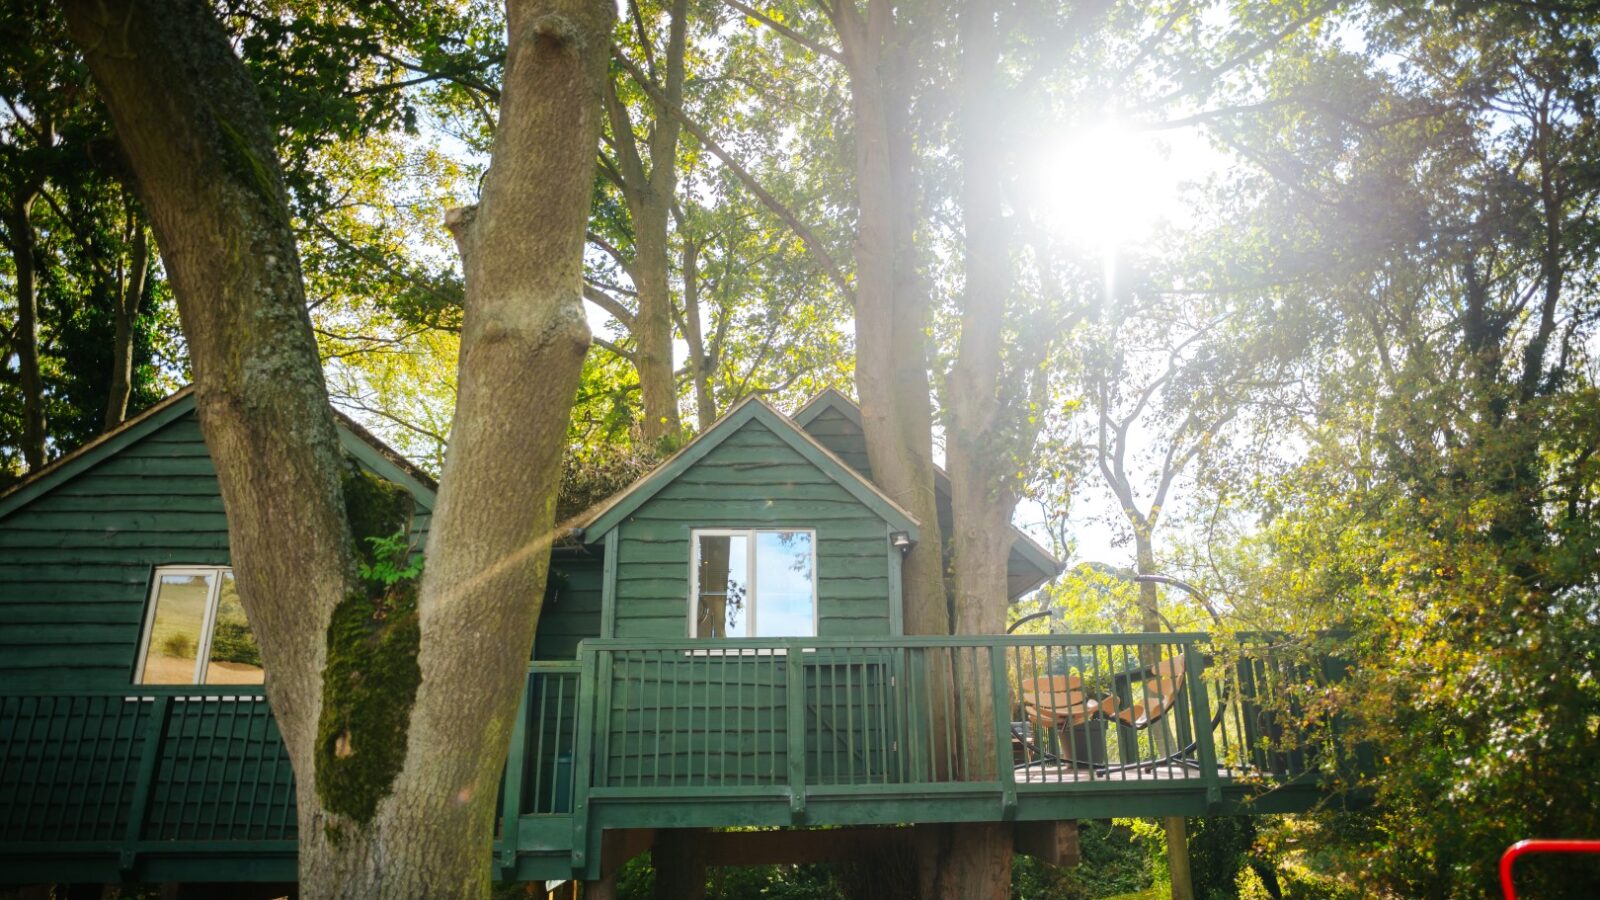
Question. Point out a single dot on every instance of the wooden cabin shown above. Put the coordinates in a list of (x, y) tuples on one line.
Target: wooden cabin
[(720, 645)]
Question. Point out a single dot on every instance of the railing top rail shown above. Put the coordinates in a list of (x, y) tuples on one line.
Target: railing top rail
[(147, 691), (889, 643), (555, 665)]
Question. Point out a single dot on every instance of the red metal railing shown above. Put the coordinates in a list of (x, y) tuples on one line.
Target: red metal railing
[(1524, 848)]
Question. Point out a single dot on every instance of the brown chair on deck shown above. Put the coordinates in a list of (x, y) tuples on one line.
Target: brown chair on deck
[(1163, 683), (1054, 703)]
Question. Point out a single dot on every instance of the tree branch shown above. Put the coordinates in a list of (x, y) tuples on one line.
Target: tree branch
[(809, 43), (813, 244)]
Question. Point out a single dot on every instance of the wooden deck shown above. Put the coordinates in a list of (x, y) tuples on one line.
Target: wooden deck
[(164, 784)]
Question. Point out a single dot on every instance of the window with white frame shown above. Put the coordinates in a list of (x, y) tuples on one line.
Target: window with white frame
[(751, 582), (195, 631)]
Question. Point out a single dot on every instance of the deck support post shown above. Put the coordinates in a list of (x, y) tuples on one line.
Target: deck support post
[(582, 759)]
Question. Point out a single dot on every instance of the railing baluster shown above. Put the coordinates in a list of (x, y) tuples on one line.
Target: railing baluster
[(1002, 731), (541, 688), (795, 703)]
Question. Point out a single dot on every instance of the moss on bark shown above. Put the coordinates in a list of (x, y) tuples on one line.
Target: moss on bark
[(370, 679)]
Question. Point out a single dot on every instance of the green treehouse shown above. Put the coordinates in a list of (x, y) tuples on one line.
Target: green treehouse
[(721, 646)]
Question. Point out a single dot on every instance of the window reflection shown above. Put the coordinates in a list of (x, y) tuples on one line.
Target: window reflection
[(754, 583), (197, 631), (175, 632), (234, 657)]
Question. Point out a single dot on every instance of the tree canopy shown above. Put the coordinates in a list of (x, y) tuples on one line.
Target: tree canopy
[(1299, 301)]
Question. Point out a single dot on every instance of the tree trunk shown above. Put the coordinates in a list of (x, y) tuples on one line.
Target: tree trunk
[(192, 126), (981, 463), (950, 868), (892, 314), (700, 362), (128, 294), (188, 119), (1175, 827), (649, 197), (19, 221), (652, 325)]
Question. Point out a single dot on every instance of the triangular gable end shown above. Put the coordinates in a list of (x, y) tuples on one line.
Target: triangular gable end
[(596, 522), (357, 441), (1026, 554)]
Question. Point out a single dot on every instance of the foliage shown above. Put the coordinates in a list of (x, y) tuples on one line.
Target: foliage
[(178, 646), (56, 148), (1433, 234), (231, 641), (636, 881), (1115, 859)]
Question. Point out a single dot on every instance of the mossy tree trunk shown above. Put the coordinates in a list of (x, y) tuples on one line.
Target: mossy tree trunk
[(414, 819)]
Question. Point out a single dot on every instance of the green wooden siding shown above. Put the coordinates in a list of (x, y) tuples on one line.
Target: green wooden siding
[(844, 439), (76, 562), (571, 609), (753, 479)]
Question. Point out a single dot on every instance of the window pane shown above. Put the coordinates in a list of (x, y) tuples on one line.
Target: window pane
[(235, 659), (724, 595), (785, 601), (175, 634)]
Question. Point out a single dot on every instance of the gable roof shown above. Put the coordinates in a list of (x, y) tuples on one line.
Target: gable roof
[(1026, 553), (355, 440), (602, 518)]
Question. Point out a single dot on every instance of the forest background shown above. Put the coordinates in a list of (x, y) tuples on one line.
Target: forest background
[(1301, 308)]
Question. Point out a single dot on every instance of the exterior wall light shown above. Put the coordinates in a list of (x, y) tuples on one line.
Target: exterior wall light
[(901, 540)]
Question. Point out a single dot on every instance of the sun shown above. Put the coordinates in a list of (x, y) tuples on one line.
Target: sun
[(1103, 187)]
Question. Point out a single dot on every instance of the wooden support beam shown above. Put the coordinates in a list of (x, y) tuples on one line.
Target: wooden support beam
[(1052, 843), (618, 845)]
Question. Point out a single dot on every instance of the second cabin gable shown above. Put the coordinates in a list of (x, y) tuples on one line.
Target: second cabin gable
[(90, 545), (774, 514)]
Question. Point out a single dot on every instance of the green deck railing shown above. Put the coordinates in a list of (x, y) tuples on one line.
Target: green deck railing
[(815, 713), (191, 772), (691, 732)]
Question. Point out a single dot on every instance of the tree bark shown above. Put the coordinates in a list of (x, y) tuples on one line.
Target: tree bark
[(983, 442), (128, 294), (192, 126), (700, 360), (1176, 828), (19, 222), (948, 868), (190, 123), (892, 309), (649, 197)]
